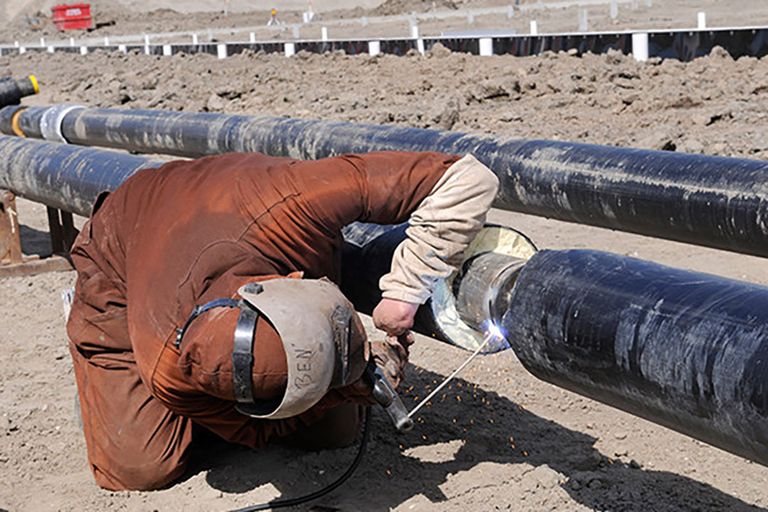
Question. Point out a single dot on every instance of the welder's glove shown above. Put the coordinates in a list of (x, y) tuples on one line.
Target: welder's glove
[(391, 355)]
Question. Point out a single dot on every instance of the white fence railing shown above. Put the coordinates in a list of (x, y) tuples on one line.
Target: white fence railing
[(683, 44)]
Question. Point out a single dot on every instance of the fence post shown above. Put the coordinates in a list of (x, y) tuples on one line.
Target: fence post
[(640, 46), (702, 20), (486, 46)]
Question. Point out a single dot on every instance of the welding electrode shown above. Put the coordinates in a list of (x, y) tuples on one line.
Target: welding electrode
[(386, 396), (493, 332)]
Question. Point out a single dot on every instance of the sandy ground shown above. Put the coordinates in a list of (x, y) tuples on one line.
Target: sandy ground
[(497, 439)]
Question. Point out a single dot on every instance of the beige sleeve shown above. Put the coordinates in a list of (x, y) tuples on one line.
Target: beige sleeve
[(441, 228)]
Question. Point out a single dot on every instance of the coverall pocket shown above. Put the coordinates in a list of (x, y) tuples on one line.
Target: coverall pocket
[(108, 330)]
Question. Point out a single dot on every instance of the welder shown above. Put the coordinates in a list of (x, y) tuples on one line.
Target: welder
[(207, 298)]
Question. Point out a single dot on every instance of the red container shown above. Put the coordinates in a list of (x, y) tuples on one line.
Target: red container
[(72, 16)]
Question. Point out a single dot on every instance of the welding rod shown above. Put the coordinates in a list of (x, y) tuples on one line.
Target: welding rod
[(491, 334)]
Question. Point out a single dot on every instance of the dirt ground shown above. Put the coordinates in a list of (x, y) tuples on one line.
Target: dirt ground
[(497, 439)]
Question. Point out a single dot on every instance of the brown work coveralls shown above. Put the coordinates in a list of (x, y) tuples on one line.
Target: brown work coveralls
[(190, 232)]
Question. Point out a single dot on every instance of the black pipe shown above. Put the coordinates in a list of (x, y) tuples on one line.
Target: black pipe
[(62, 176), (12, 90), (682, 349), (712, 201), (8, 115)]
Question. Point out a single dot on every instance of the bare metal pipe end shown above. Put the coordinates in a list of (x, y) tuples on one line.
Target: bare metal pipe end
[(483, 286), (464, 303)]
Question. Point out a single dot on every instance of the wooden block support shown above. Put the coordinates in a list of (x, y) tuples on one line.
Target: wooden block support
[(10, 237), (12, 261)]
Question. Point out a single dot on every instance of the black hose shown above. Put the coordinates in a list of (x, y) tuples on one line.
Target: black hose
[(290, 502)]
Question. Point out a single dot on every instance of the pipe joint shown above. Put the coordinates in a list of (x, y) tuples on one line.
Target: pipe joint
[(465, 303), (52, 119), (483, 288)]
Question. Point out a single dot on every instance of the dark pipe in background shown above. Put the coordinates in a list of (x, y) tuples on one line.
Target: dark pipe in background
[(62, 176), (12, 90)]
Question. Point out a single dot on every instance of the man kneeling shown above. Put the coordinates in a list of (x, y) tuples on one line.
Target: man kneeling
[(192, 308)]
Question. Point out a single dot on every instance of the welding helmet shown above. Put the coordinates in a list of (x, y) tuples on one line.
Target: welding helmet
[(324, 341)]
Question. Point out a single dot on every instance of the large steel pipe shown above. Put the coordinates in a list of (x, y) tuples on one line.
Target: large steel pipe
[(62, 176), (682, 349), (712, 201)]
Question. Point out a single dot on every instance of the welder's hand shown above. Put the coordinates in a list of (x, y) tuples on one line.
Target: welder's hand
[(391, 355), (406, 340), (395, 317)]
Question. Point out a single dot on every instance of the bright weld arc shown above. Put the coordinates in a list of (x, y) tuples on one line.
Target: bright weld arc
[(493, 331)]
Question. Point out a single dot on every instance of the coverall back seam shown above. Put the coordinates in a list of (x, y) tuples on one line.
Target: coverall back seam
[(236, 239), (258, 218)]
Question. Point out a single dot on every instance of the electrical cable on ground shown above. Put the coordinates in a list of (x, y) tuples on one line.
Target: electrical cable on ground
[(289, 502)]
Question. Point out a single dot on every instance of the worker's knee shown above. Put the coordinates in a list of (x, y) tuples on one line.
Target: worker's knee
[(338, 428), (125, 476), (344, 426)]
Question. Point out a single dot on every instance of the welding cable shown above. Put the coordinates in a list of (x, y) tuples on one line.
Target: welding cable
[(290, 502)]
